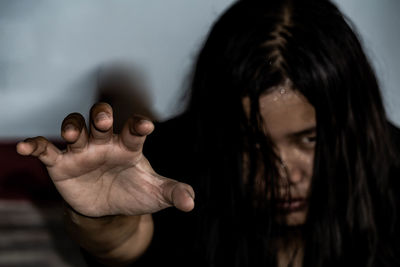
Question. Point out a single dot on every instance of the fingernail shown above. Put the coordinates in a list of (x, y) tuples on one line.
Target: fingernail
[(144, 121), (190, 194), (69, 127), (102, 116)]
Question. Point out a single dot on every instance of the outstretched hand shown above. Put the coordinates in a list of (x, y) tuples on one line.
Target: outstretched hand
[(102, 173)]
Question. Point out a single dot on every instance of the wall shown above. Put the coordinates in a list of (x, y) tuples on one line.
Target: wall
[(51, 51)]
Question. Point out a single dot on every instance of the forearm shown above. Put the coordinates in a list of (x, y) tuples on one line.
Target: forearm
[(112, 240)]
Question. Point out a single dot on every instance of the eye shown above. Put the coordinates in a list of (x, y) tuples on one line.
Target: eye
[(309, 139), (308, 142)]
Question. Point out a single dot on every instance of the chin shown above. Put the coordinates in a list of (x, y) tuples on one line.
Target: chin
[(296, 218)]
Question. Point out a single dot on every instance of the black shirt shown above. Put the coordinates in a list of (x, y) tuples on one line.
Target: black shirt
[(176, 238)]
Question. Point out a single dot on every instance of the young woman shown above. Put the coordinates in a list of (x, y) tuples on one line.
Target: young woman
[(285, 142)]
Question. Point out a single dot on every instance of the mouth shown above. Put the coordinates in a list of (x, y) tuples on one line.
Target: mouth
[(292, 205)]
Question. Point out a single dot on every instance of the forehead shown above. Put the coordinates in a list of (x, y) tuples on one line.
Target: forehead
[(285, 111)]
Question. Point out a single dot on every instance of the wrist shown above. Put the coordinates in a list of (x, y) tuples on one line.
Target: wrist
[(111, 239), (77, 218)]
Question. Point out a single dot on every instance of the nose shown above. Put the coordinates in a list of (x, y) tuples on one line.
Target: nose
[(291, 167), (290, 172)]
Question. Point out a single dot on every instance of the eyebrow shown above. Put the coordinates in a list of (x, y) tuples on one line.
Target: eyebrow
[(303, 132)]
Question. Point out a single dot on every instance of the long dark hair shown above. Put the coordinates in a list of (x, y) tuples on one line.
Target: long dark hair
[(254, 46)]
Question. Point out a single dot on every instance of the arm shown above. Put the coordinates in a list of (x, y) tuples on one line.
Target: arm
[(110, 184), (112, 240)]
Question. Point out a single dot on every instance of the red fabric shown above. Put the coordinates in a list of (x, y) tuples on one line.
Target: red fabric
[(23, 177)]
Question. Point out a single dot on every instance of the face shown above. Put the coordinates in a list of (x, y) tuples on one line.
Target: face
[(289, 119)]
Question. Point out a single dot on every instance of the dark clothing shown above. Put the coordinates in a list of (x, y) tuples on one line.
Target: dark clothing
[(169, 152), (177, 239)]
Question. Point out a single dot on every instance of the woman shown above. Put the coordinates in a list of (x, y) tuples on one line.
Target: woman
[(285, 142)]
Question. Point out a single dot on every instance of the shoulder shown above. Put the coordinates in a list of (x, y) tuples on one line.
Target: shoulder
[(395, 145), (395, 133)]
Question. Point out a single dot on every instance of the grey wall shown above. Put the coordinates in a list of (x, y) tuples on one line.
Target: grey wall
[(378, 25), (50, 51)]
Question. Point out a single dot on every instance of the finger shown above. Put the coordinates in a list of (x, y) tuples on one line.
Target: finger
[(74, 132), (179, 194), (101, 123), (135, 131), (39, 147)]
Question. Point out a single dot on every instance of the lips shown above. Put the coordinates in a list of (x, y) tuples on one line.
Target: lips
[(292, 205)]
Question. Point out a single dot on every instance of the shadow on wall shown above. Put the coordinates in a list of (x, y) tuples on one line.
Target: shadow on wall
[(32, 230), (123, 88)]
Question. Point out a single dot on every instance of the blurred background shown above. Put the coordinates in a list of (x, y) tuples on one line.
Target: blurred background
[(54, 54), (51, 52)]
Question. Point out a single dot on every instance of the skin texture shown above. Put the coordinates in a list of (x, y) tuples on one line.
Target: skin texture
[(108, 185), (101, 173), (289, 119)]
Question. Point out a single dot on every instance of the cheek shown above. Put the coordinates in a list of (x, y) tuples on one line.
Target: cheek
[(304, 159), (299, 166), (308, 163)]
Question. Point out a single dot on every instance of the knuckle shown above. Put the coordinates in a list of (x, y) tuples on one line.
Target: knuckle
[(41, 140)]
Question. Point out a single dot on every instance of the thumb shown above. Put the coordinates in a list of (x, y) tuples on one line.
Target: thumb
[(179, 195)]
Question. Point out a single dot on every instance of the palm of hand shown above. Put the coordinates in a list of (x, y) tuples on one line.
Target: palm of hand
[(108, 179), (108, 175)]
